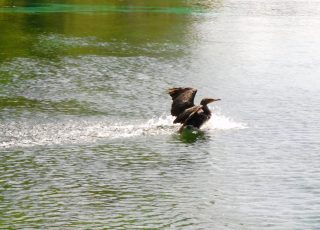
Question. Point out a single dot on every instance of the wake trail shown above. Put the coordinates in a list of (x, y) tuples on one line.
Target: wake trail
[(31, 133)]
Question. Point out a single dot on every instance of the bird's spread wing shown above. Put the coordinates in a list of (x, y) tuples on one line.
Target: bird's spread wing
[(187, 114), (195, 110), (183, 98)]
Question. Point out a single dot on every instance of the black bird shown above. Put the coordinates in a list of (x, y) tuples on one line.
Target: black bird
[(184, 109)]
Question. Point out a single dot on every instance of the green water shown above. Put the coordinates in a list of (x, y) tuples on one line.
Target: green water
[(86, 136), (27, 27), (69, 8)]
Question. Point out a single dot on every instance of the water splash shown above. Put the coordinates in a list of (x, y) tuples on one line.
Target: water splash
[(221, 122), (32, 133)]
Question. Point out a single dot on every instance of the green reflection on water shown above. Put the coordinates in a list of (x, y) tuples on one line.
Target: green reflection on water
[(25, 25), (190, 135), (61, 8), (67, 107)]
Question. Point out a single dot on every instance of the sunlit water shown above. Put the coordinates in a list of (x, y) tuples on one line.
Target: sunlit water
[(87, 140)]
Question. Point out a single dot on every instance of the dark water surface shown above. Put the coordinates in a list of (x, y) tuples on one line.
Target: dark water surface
[(86, 138)]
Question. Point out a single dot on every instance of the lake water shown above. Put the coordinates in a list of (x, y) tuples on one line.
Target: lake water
[(86, 136)]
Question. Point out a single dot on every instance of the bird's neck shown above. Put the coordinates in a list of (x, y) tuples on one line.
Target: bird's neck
[(206, 109)]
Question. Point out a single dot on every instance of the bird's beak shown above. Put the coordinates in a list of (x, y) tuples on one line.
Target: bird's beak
[(213, 100)]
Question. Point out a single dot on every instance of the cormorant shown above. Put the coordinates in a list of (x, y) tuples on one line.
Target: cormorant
[(184, 109)]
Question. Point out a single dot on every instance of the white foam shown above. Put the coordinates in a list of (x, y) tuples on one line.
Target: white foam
[(221, 122), (26, 133)]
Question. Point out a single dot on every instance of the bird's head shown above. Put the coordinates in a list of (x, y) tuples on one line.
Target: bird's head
[(206, 101)]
